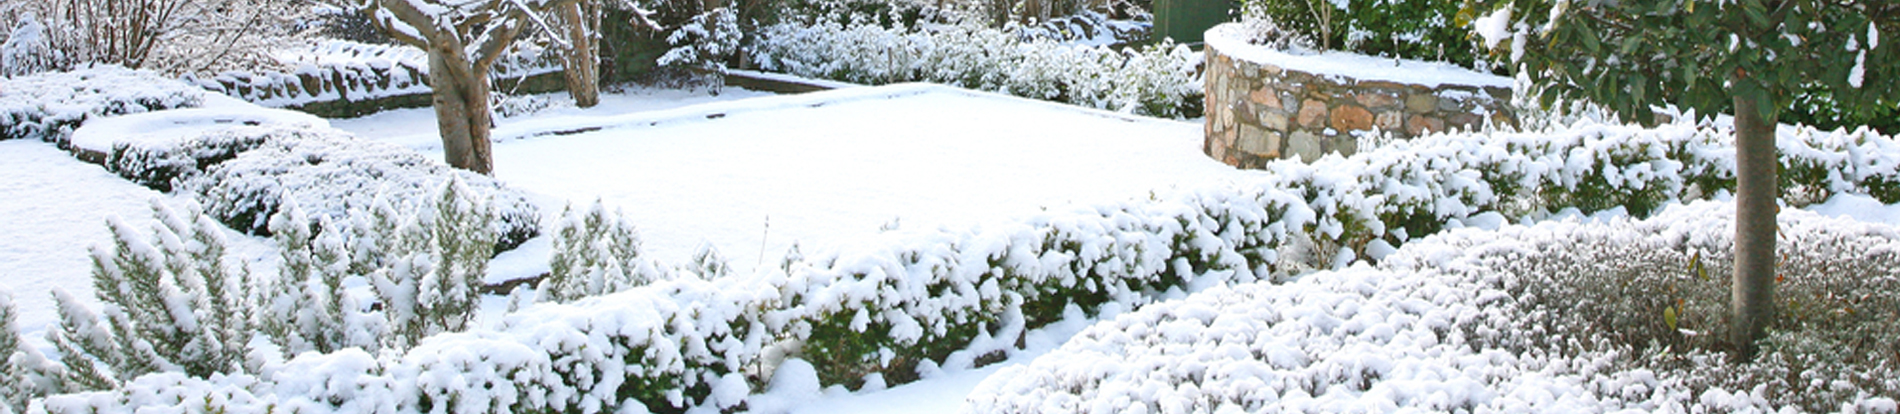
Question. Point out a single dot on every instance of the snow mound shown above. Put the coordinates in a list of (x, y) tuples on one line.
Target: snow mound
[(49, 106)]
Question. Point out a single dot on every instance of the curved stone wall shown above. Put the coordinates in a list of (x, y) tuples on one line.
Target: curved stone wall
[(1264, 105)]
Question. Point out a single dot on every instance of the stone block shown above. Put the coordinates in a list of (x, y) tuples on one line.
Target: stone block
[(1305, 145), (1419, 125), (1464, 120), (1419, 103), (1254, 140), (1391, 121), (1312, 113), (1265, 97), (1349, 117), (1273, 120), (1446, 104), (1375, 99)]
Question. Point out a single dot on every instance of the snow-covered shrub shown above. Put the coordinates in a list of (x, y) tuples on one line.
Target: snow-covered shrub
[(160, 166), (595, 253), (671, 345), (172, 304), (49, 106), (1654, 295), (305, 307), (896, 312), (26, 49), (1159, 80), (23, 371), (441, 259), (328, 172), (704, 42), (1482, 321)]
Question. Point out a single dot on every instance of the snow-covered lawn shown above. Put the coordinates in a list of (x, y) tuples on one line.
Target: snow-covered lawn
[(828, 168)]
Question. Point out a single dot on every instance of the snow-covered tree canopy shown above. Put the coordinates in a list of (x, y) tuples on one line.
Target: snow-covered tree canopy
[(1698, 53)]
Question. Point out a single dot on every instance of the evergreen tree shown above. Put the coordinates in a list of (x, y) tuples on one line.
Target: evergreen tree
[(310, 309), (708, 264), (19, 382)]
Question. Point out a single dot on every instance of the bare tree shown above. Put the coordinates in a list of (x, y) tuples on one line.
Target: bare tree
[(463, 39), (172, 36), (580, 58)]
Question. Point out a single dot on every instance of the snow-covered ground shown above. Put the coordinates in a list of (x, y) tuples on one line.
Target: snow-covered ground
[(827, 168)]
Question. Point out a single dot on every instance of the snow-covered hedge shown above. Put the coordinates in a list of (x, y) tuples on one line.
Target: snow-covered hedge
[(50, 105), (924, 301), (327, 172), (1448, 325), (1158, 80)]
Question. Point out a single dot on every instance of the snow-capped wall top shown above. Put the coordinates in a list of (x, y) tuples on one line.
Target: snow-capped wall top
[(1231, 38)]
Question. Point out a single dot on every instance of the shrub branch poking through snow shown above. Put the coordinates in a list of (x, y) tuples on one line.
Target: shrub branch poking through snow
[(596, 253)]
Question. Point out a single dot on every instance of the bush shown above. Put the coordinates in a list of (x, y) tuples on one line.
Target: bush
[(1411, 29), (1562, 316), (1161, 80), (327, 173), (49, 106)]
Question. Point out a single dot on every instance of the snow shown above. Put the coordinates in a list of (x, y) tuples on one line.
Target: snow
[(162, 129), (943, 157), (872, 172), (1230, 39)]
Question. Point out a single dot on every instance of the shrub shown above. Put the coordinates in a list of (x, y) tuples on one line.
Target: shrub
[(1159, 80), (327, 173), (49, 106), (595, 253), (1563, 316), (172, 304), (1411, 29)]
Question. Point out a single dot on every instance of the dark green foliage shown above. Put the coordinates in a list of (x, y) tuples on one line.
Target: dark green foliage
[(1700, 54), (1412, 29)]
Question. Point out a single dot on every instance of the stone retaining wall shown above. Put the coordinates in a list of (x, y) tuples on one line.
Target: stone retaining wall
[(1258, 111)]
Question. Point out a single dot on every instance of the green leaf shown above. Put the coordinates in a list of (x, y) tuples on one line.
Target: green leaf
[(1669, 316)]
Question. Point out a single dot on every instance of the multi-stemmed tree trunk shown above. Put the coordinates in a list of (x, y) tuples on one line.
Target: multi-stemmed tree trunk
[(458, 70), (580, 60)]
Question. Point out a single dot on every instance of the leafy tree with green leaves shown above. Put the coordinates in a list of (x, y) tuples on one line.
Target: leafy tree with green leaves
[(1752, 58)]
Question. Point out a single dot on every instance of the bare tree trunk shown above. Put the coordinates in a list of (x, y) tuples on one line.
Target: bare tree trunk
[(1752, 294), (580, 63), (461, 107)]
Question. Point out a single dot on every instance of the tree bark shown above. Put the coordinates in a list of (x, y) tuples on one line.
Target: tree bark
[(1752, 295), (580, 63), (462, 113)]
